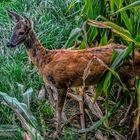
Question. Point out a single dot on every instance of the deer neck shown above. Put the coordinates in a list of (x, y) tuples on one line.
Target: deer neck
[(36, 52)]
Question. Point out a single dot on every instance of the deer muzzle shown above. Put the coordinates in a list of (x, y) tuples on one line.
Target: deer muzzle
[(10, 45)]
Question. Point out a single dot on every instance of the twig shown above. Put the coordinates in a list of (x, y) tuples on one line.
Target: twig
[(81, 106), (71, 119), (89, 115), (100, 136), (117, 135), (126, 114), (93, 107), (75, 97)]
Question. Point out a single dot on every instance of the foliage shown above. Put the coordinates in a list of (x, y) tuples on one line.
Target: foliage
[(23, 113), (90, 22), (120, 16), (103, 22)]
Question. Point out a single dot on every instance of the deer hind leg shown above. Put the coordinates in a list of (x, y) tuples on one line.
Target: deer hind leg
[(59, 108)]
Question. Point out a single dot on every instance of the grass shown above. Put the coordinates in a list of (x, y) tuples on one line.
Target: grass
[(52, 28)]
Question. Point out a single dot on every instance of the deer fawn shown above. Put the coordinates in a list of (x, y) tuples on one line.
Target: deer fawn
[(62, 69)]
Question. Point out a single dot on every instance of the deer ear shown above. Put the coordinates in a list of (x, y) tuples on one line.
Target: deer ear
[(32, 23), (29, 21), (15, 17)]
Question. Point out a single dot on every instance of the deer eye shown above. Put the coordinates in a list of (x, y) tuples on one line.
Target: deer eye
[(20, 33)]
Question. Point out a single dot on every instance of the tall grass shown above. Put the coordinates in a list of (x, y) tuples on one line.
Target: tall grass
[(52, 28)]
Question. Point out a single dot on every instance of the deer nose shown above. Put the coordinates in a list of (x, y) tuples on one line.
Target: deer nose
[(10, 45)]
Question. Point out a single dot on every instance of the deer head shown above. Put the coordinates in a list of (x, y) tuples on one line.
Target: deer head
[(21, 30)]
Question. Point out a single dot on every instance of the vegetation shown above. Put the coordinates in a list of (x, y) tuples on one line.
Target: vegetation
[(64, 24)]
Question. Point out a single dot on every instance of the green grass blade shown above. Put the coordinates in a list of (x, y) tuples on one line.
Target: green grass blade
[(71, 5), (99, 89), (130, 6)]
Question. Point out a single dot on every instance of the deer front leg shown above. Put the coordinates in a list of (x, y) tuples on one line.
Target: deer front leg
[(59, 107), (52, 95)]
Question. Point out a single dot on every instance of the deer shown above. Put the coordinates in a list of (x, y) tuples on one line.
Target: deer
[(63, 68)]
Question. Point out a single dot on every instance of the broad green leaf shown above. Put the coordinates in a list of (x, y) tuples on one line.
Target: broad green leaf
[(130, 6), (107, 79), (115, 4), (113, 72), (92, 33), (88, 9), (82, 45), (117, 77), (118, 3), (103, 40), (21, 108), (112, 5), (73, 36), (115, 28), (137, 38), (121, 56), (24, 115), (126, 20), (119, 30), (136, 18), (27, 96), (107, 82)]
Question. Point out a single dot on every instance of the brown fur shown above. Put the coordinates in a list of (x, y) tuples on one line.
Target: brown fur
[(62, 69), (65, 68)]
